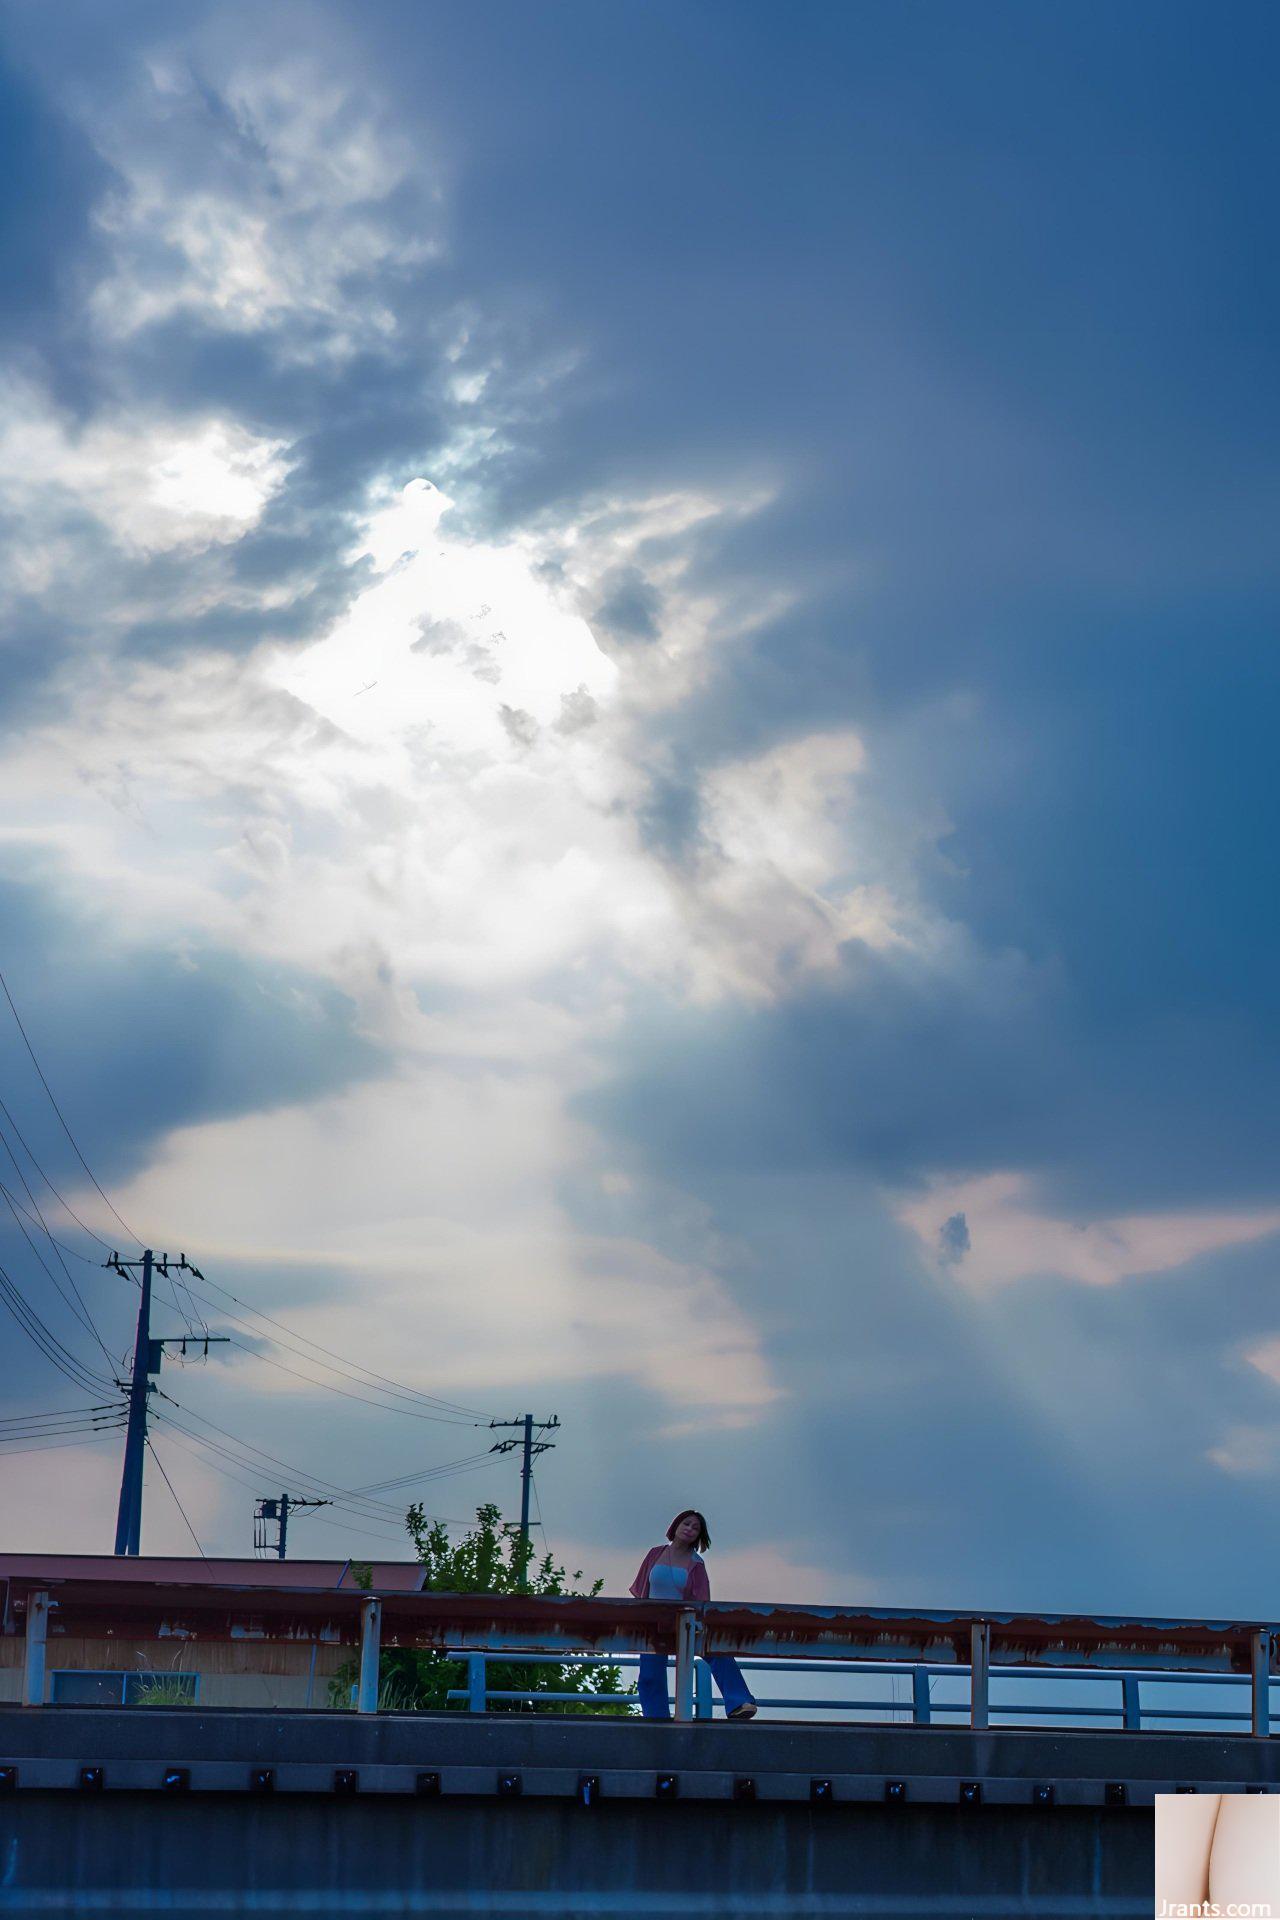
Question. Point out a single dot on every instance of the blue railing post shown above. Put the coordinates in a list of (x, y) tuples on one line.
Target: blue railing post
[(1131, 1699), (477, 1681), (702, 1697), (33, 1682), (1261, 1670), (687, 1637), (921, 1704), (979, 1673), (370, 1653)]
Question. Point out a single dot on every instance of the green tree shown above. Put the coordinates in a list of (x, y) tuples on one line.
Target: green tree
[(490, 1558)]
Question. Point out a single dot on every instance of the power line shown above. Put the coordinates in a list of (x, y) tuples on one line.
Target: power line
[(362, 1533), (48, 1446), (390, 1532), (80, 1312), (10, 1442), (384, 1406), (41, 1429), (537, 1507), (58, 1110), (61, 1198), (370, 1509), (57, 1413), (75, 1253), (48, 1343), (343, 1370), (349, 1369), (177, 1503), (470, 1463), (354, 1500)]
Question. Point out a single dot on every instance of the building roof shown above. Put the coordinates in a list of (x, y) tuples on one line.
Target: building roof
[(388, 1576)]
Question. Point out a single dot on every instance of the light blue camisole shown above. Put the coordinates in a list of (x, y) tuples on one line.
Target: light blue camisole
[(667, 1582)]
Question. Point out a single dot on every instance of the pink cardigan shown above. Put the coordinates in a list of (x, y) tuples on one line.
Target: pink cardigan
[(697, 1587)]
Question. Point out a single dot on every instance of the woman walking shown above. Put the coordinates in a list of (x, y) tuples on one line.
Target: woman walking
[(677, 1572)]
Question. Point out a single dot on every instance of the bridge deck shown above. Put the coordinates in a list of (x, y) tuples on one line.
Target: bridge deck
[(513, 1814)]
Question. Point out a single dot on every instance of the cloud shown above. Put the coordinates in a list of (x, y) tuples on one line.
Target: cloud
[(750, 784), (433, 1192), (310, 802), (258, 194), (152, 487), (1013, 1239)]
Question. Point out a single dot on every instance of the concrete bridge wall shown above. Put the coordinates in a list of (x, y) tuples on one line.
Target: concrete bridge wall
[(452, 1815)]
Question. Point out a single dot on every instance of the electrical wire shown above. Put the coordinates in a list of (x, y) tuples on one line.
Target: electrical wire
[(468, 1464), (48, 1446), (177, 1503), (43, 1429), (352, 1500), (58, 1110), (533, 1488), (48, 1343), (384, 1406), (61, 1198), (10, 1443), (62, 1245), (389, 1531), (349, 1369), (57, 1413), (340, 1526), (344, 1369), (78, 1311), (370, 1509)]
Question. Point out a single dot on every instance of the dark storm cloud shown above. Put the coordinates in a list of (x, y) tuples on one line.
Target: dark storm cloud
[(134, 1039), (996, 307), (156, 1035), (50, 179), (898, 1071)]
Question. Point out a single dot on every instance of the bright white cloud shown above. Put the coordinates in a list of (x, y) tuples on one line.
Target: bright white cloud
[(452, 778), (435, 807), (154, 484), (252, 193)]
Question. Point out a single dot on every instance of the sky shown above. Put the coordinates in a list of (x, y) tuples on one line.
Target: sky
[(637, 780)]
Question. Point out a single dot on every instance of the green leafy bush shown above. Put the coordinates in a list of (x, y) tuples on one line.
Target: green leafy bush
[(490, 1558)]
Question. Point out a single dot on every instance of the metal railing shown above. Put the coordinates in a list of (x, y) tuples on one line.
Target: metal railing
[(927, 1645), (1127, 1710)]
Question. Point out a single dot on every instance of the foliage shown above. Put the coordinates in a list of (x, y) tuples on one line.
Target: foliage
[(490, 1558), (156, 1691)]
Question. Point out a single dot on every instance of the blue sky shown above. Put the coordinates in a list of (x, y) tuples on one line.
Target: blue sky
[(640, 669)]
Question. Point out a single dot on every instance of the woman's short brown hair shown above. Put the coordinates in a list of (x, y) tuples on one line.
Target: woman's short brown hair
[(691, 1513)]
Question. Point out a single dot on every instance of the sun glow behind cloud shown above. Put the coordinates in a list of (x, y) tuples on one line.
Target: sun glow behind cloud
[(435, 807)]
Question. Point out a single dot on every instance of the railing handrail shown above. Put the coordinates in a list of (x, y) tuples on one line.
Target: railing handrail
[(606, 1623), (1129, 1709)]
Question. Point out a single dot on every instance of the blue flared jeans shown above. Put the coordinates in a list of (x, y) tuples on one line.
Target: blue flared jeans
[(654, 1703)]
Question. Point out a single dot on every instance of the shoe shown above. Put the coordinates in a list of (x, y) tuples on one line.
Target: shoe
[(747, 1711)]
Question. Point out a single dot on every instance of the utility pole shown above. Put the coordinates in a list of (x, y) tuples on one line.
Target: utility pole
[(530, 1446), (147, 1355), (279, 1511)]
